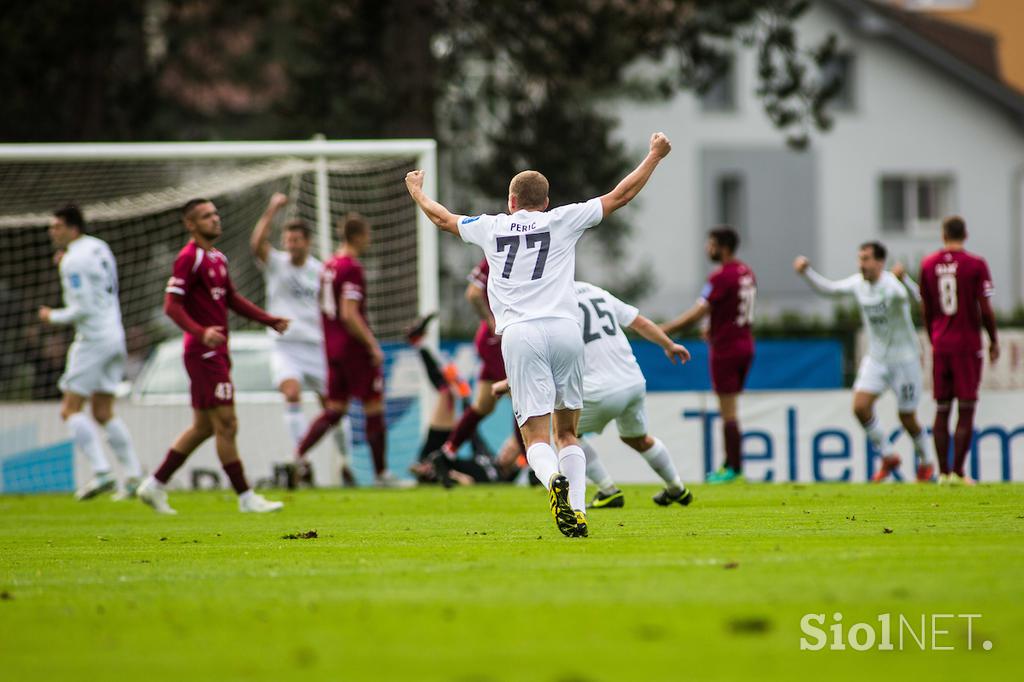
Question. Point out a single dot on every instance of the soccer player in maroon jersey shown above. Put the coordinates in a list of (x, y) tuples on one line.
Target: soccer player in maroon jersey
[(728, 298), (955, 292), (355, 362), (492, 368), (198, 296)]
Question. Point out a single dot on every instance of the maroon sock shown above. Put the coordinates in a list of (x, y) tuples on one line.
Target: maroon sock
[(465, 429), (237, 476), (376, 438), (731, 434), (321, 425), (172, 462), (940, 434), (962, 437)]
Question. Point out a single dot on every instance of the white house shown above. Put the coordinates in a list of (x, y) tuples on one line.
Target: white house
[(925, 128)]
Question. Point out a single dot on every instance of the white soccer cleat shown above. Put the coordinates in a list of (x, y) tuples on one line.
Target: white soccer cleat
[(127, 491), (945, 479), (152, 492), (101, 484), (957, 479), (250, 502), (388, 480)]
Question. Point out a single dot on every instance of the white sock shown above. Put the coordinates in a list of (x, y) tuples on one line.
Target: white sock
[(296, 421), (120, 442), (343, 438), (875, 434), (543, 461), (595, 469), (87, 439), (573, 464), (246, 495), (921, 446), (660, 460)]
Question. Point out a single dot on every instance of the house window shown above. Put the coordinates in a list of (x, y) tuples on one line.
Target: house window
[(841, 68), (915, 204), (721, 96), (729, 201)]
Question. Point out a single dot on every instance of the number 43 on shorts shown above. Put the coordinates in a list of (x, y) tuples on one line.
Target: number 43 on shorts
[(224, 391)]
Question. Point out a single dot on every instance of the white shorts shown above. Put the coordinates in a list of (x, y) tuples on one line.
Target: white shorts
[(904, 378), (303, 362), (93, 367), (544, 363), (626, 407)]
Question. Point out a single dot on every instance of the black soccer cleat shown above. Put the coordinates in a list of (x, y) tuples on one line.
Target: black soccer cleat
[(415, 333), (612, 500), (442, 467), (558, 498), (581, 525), (665, 498)]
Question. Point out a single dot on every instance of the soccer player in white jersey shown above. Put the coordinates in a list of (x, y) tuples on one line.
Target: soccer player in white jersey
[(614, 388), (95, 364), (297, 360), (532, 257), (894, 352)]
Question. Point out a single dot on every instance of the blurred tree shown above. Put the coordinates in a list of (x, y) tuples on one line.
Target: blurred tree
[(73, 70), (503, 84)]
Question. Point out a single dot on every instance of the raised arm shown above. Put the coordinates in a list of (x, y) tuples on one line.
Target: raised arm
[(653, 333), (691, 316), (438, 214), (259, 241), (900, 271), (821, 284), (631, 185)]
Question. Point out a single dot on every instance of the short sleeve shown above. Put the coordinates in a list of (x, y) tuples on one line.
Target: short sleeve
[(478, 277), (181, 273), (986, 289), (352, 284), (476, 229), (713, 291), (625, 314), (579, 217)]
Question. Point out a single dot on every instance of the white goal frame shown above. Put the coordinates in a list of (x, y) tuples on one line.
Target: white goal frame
[(319, 150)]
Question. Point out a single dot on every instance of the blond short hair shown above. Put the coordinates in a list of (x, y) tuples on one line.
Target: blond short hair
[(530, 189)]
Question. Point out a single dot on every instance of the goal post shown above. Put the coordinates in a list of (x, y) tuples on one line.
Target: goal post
[(130, 194)]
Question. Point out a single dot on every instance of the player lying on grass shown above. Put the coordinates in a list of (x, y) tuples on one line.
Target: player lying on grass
[(433, 466), (614, 388), (197, 298), (532, 254), (893, 361), (95, 364)]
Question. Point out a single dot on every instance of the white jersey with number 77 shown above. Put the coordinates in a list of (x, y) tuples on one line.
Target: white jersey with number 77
[(532, 258)]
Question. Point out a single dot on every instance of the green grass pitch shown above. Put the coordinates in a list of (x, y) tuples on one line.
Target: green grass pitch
[(475, 584)]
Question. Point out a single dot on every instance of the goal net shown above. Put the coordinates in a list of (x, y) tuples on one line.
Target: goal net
[(130, 196)]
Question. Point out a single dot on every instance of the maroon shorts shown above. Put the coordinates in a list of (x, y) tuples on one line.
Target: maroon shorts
[(956, 375), (492, 365), (210, 378), (355, 378), (729, 374)]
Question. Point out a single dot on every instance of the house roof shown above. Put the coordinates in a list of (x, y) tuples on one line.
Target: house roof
[(967, 54)]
